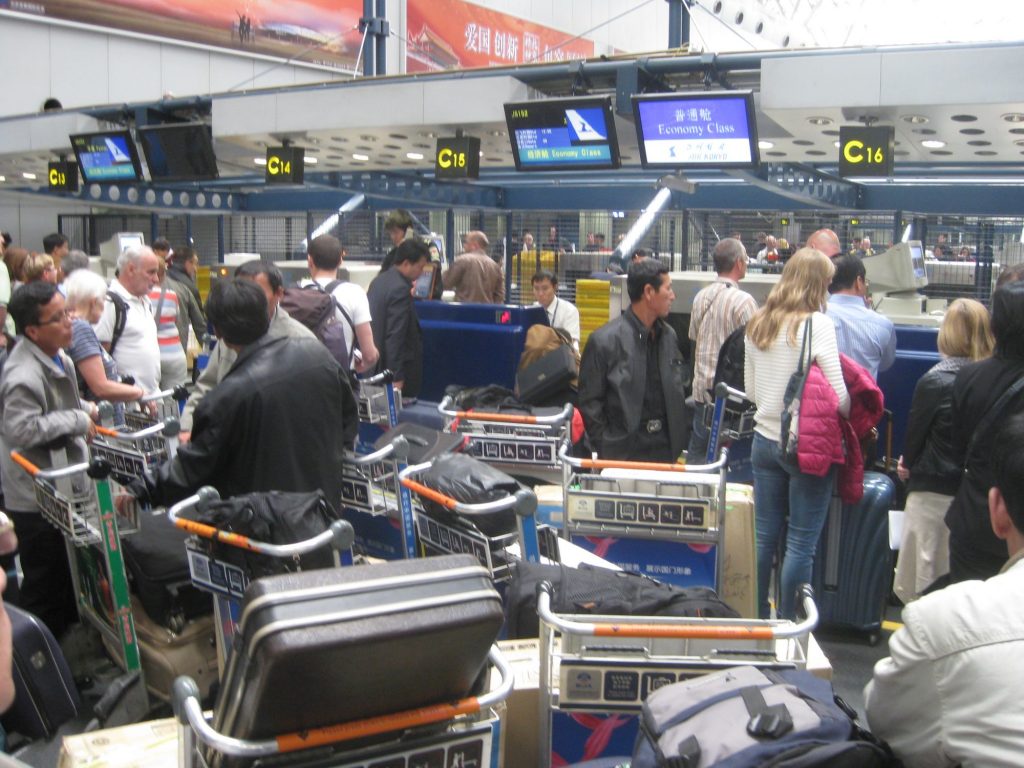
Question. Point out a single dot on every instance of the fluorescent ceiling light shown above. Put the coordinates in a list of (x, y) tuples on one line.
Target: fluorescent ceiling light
[(933, 143), (309, 160), (28, 175), (765, 145), (359, 156), (414, 155), (260, 160)]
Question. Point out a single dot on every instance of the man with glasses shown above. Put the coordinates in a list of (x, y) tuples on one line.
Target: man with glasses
[(40, 412)]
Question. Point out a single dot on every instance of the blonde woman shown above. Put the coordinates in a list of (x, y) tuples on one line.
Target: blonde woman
[(782, 493), (39, 266), (928, 466)]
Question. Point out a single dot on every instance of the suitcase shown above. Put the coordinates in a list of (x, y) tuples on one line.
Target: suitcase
[(548, 376), (165, 654), (424, 443), (158, 566), (853, 563), (45, 692), (364, 641)]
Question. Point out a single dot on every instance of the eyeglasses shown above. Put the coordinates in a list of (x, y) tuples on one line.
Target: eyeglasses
[(59, 318)]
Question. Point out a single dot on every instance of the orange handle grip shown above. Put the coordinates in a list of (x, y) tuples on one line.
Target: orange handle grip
[(508, 418), (609, 464), (107, 431), (24, 463), (209, 532), (429, 493), (702, 632), (374, 725)]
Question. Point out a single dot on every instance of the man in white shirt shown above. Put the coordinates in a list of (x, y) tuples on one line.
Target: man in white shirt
[(948, 694), (136, 350), (561, 314), (324, 259)]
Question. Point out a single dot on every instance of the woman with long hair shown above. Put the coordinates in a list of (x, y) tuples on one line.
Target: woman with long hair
[(927, 466), (783, 494)]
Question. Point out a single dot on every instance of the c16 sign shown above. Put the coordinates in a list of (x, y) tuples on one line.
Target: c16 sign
[(866, 151)]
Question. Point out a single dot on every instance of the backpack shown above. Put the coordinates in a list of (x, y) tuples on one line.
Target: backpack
[(315, 308), (745, 717), (120, 317), (729, 368)]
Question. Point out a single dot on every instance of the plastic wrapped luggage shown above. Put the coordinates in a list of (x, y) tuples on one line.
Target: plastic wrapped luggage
[(366, 640), (853, 563)]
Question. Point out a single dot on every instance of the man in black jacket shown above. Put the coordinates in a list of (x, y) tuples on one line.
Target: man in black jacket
[(631, 376), (396, 329), (280, 420)]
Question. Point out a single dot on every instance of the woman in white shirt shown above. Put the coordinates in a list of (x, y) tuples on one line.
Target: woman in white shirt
[(782, 493)]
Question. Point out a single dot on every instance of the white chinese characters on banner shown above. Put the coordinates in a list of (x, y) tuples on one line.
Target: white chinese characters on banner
[(507, 45)]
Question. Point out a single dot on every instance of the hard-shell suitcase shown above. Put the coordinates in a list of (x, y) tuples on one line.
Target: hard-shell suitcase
[(853, 563), (45, 693), (329, 646)]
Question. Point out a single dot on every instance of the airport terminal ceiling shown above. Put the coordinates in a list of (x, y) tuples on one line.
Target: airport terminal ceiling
[(957, 111)]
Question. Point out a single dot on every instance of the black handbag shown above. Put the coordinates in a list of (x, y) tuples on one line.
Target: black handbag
[(792, 398)]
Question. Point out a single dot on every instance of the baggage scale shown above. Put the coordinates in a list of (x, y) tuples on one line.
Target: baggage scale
[(93, 512), (516, 443), (464, 733), (602, 668)]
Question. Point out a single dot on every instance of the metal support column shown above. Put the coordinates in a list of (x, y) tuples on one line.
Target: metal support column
[(508, 262), (154, 227), (220, 240), (382, 33), (188, 230), (684, 243), (449, 234), (897, 226), (983, 271), (678, 23), (369, 40)]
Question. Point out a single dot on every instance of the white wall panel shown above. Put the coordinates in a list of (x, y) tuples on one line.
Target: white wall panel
[(26, 56), (184, 72), (134, 72)]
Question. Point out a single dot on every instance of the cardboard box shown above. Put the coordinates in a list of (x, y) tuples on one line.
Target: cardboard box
[(519, 729), (153, 744)]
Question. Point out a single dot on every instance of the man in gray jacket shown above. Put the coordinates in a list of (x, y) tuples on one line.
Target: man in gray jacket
[(40, 412)]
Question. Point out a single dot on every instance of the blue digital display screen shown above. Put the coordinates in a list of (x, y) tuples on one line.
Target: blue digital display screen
[(107, 156), (563, 134), (694, 130)]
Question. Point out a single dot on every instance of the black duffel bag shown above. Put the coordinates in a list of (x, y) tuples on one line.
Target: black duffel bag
[(471, 481), (602, 591), (272, 517)]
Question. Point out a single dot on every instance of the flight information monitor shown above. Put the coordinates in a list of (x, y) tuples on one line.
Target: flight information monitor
[(178, 151), (107, 156), (563, 134), (696, 130)]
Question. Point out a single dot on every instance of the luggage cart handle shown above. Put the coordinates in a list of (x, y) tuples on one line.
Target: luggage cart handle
[(384, 377), (179, 393), (702, 631), (724, 390), (524, 501), (508, 418), (339, 534), (49, 474), (166, 428), (577, 463), (189, 713), (399, 448)]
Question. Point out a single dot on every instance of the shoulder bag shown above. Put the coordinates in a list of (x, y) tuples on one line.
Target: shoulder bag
[(794, 395)]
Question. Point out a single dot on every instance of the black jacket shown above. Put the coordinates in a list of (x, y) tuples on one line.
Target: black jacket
[(927, 447), (977, 388), (396, 329), (613, 375), (281, 420)]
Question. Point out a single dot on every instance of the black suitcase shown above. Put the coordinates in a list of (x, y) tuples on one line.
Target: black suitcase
[(853, 563), (424, 443), (45, 693), (158, 566), (322, 647), (547, 376)]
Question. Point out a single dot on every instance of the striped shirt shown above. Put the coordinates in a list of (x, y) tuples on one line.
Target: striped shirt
[(863, 334), (173, 363), (718, 310)]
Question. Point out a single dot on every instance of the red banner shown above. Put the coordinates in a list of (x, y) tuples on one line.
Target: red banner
[(310, 31), (452, 34)]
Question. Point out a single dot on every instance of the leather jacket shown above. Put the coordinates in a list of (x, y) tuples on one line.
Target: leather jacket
[(613, 376), (927, 447), (280, 420)]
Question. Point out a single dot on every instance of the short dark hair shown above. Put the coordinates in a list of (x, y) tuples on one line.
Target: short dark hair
[(257, 267), (325, 252), (727, 252), (237, 309), (1008, 467), (53, 241), (74, 260), (412, 250), (398, 219), (849, 266), (1008, 319), (640, 253), (544, 274), (25, 303), (642, 273), (183, 255), (1010, 274), (161, 244)]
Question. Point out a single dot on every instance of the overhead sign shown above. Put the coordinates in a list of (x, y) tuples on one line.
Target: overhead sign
[(285, 165), (457, 158), (866, 151), (63, 176)]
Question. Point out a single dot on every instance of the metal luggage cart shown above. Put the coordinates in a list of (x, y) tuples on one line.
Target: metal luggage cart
[(167, 406), (731, 420), (93, 512), (689, 507), (464, 733), (132, 453), (437, 537), (379, 402), (227, 581), (609, 664), (518, 444)]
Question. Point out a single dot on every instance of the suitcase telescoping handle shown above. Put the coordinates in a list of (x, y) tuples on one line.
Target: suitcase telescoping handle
[(192, 723), (506, 418), (384, 377), (577, 463), (523, 501), (702, 629), (165, 428), (339, 534)]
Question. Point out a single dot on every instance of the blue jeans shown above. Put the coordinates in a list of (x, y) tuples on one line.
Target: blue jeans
[(700, 435), (783, 494)]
